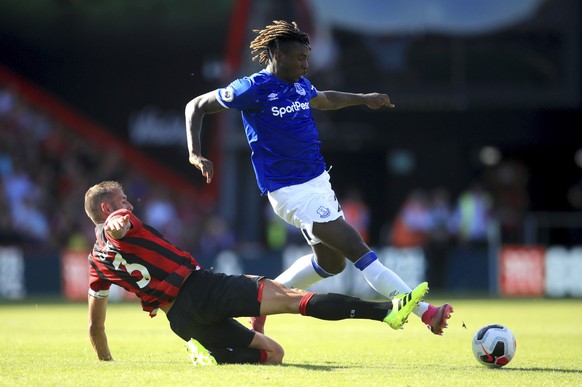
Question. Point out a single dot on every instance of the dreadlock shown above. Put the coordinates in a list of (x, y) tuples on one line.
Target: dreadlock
[(269, 38)]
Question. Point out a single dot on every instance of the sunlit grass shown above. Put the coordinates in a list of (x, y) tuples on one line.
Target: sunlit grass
[(47, 344)]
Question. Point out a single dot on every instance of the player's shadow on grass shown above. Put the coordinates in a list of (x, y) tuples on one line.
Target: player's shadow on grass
[(538, 369), (313, 367), (320, 367)]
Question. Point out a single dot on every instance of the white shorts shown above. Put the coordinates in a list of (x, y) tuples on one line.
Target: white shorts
[(304, 204)]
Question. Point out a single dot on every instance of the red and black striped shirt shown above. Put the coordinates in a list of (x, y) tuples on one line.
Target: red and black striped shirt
[(141, 262)]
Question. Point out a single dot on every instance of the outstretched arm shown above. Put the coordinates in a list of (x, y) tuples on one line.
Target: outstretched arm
[(97, 313), (332, 100), (195, 112), (118, 226)]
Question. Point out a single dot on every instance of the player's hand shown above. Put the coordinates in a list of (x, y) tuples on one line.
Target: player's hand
[(118, 223), (377, 100), (204, 165), (118, 226)]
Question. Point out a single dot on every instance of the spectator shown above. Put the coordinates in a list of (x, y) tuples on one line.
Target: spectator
[(357, 212), (438, 246), (441, 213), (217, 236), (413, 222), (7, 101), (472, 216), (17, 186), (508, 182), (276, 230), (161, 213), (30, 221), (7, 232)]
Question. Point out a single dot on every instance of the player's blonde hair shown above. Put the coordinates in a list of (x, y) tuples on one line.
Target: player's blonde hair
[(269, 38), (96, 195)]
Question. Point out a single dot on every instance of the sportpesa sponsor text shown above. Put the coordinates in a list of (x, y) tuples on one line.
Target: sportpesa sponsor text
[(292, 108)]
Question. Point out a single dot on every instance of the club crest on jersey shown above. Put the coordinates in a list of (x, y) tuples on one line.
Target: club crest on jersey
[(323, 212), (299, 89), (273, 97), (228, 94)]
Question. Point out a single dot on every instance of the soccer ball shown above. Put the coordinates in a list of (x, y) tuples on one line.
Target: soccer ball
[(494, 345)]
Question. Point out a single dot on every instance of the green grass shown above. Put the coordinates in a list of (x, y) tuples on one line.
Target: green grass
[(46, 344)]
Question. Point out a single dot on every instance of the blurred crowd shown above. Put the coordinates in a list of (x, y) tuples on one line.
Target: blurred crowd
[(430, 217), (46, 168)]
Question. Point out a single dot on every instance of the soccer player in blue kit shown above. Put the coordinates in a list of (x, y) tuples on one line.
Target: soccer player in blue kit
[(276, 108)]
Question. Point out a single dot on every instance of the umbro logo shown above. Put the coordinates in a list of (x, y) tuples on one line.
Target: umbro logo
[(273, 96)]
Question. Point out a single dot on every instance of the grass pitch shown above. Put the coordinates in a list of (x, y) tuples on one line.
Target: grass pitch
[(46, 344)]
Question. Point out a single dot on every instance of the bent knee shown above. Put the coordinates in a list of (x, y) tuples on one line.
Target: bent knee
[(336, 267), (332, 266)]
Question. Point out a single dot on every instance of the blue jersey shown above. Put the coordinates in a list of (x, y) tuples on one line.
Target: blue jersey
[(279, 126)]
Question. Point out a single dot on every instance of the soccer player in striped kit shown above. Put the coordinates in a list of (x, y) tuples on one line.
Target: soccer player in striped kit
[(276, 108), (199, 304)]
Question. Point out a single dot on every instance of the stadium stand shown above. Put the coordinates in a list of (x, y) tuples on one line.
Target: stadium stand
[(50, 155)]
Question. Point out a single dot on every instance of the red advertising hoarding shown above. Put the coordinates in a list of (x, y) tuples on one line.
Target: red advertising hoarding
[(521, 271)]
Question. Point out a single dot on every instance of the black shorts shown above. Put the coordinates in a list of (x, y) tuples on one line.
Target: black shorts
[(206, 305)]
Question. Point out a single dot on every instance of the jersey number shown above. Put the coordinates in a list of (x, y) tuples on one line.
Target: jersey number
[(132, 267)]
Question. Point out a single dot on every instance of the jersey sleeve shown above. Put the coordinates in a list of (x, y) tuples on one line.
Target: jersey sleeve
[(240, 94), (312, 91)]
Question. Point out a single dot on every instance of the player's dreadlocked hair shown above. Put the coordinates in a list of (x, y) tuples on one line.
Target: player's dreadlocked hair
[(269, 38)]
